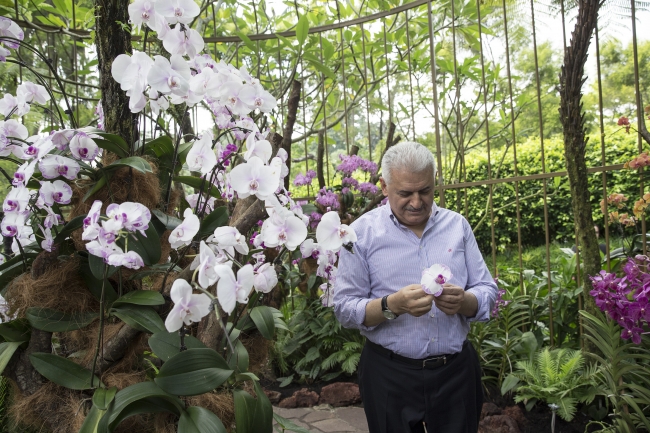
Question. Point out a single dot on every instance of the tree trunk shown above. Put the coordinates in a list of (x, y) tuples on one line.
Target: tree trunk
[(287, 132), (572, 118), (112, 40)]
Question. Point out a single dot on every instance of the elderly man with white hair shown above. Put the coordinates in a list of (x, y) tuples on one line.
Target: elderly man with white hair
[(417, 368)]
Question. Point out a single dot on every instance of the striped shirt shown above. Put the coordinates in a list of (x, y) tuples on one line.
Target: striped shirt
[(388, 256)]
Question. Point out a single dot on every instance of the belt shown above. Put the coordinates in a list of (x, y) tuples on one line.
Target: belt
[(426, 363)]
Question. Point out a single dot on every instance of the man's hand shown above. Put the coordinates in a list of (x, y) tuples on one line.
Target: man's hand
[(455, 299), (410, 300)]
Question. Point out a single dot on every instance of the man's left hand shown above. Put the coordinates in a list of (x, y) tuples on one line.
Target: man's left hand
[(451, 299)]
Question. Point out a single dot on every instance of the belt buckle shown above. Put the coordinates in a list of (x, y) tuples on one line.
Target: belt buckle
[(435, 358)]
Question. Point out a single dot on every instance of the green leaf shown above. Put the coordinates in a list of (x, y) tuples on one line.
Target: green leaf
[(13, 268), (215, 219), (50, 320), (103, 397), (195, 182), (92, 419), (302, 29), (509, 383), (239, 360), (93, 283), (16, 330), (140, 317), (160, 147), (167, 344), (263, 319), (253, 415), (288, 425), (96, 187), (141, 297), (193, 372), (246, 40), (7, 350), (148, 247), (97, 266), (322, 68), (111, 147), (135, 162), (199, 420), (74, 224), (62, 371), (168, 221)]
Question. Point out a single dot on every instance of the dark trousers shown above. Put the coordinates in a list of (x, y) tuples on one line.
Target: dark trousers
[(399, 397)]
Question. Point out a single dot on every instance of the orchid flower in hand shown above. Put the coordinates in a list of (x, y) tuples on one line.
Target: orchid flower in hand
[(434, 278)]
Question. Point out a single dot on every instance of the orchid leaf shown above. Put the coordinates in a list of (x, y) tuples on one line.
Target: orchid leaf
[(199, 420), (7, 350), (92, 420), (95, 284), (50, 320), (112, 147), (62, 371), (167, 344), (135, 162), (196, 182), (16, 330), (302, 29), (140, 317), (141, 297), (263, 318), (168, 221), (215, 219), (193, 372), (148, 247), (253, 415), (96, 187), (103, 397), (72, 225)]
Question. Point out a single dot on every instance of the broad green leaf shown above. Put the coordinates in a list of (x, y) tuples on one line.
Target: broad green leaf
[(97, 186), (322, 68), (246, 40), (253, 415), (302, 29), (92, 420), (141, 297), (193, 372), (199, 420), (195, 182), (6, 352), (111, 147), (263, 318), (103, 397), (74, 224), (97, 267), (50, 320), (17, 330), (509, 383), (168, 221), (215, 219), (160, 147), (140, 317), (135, 162), (62, 371), (239, 360), (167, 344), (148, 247)]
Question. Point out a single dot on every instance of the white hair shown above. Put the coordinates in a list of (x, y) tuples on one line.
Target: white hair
[(408, 155)]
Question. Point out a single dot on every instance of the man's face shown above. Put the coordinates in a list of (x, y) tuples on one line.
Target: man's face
[(410, 196)]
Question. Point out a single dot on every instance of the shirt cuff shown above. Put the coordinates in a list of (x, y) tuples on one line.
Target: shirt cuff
[(360, 315), (483, 310)]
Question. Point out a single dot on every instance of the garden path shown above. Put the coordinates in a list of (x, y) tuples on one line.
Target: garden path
[(326, 419)]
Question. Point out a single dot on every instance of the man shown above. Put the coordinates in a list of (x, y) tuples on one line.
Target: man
[(416, 367)]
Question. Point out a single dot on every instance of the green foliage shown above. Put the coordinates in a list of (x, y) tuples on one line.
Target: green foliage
[(622, 378), (316, 346), (554, 377), (474, 202)]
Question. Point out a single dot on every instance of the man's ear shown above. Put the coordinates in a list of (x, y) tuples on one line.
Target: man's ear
[(384, 187)]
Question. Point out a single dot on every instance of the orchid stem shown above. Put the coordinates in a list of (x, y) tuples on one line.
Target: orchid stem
[(101, 326)]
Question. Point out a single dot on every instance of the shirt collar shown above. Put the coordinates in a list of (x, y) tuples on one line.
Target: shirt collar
[(395, 221)]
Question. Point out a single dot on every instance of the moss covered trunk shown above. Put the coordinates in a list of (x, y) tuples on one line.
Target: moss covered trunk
[(112, 40), (575, 140)]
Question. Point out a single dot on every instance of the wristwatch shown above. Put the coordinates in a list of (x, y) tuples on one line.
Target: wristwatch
[(384, 309)]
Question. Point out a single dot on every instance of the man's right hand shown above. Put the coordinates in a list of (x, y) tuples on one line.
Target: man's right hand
[(410, 300)]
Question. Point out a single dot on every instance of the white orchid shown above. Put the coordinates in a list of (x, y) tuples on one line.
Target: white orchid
[(128, 215), (283, 228), (185, 232), (130, 259), (25, 236), (24, 173), (143, 12), (83, 147), (178, 11), (169, 76), (184, 42), (254, 178), (157, 102), (8, 28), (61, 138), (227, 236), (31, 92), (91, 222), (48, 242), (11, 128), (260, 148), (206, 263), (188, 307), (331, 234), (101, 248), (13, 223), (35, 148), (192, 200), (434, 277), (255, 97), (10, 104), (231, 290), (265, 278), (53, 166), (17, 200), (309, 248), (201, 157)]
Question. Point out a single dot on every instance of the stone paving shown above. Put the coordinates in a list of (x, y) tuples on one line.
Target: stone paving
[(326, 419)]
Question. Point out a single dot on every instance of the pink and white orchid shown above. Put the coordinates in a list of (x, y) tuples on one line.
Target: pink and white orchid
[(201, 157), (183, 42), (283, 228), (260, 148), (331, 234), (169, 76), (55, 192), (206, 262), (143, 12), (24, 173), (91, 222), (83, 147), (130, 259), (185, 232), (227, 236), (30, 92), (53, 166), (434, 277), (178, 11), (265, 278), (188, 307), (231, 290)]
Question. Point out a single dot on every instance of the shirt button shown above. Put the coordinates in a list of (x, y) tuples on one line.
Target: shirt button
[(433, 340), (432, 314)]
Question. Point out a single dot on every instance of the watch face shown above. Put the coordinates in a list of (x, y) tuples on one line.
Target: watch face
[(389, 314)]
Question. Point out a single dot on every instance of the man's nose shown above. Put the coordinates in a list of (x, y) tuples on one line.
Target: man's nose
[(416, 201)]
